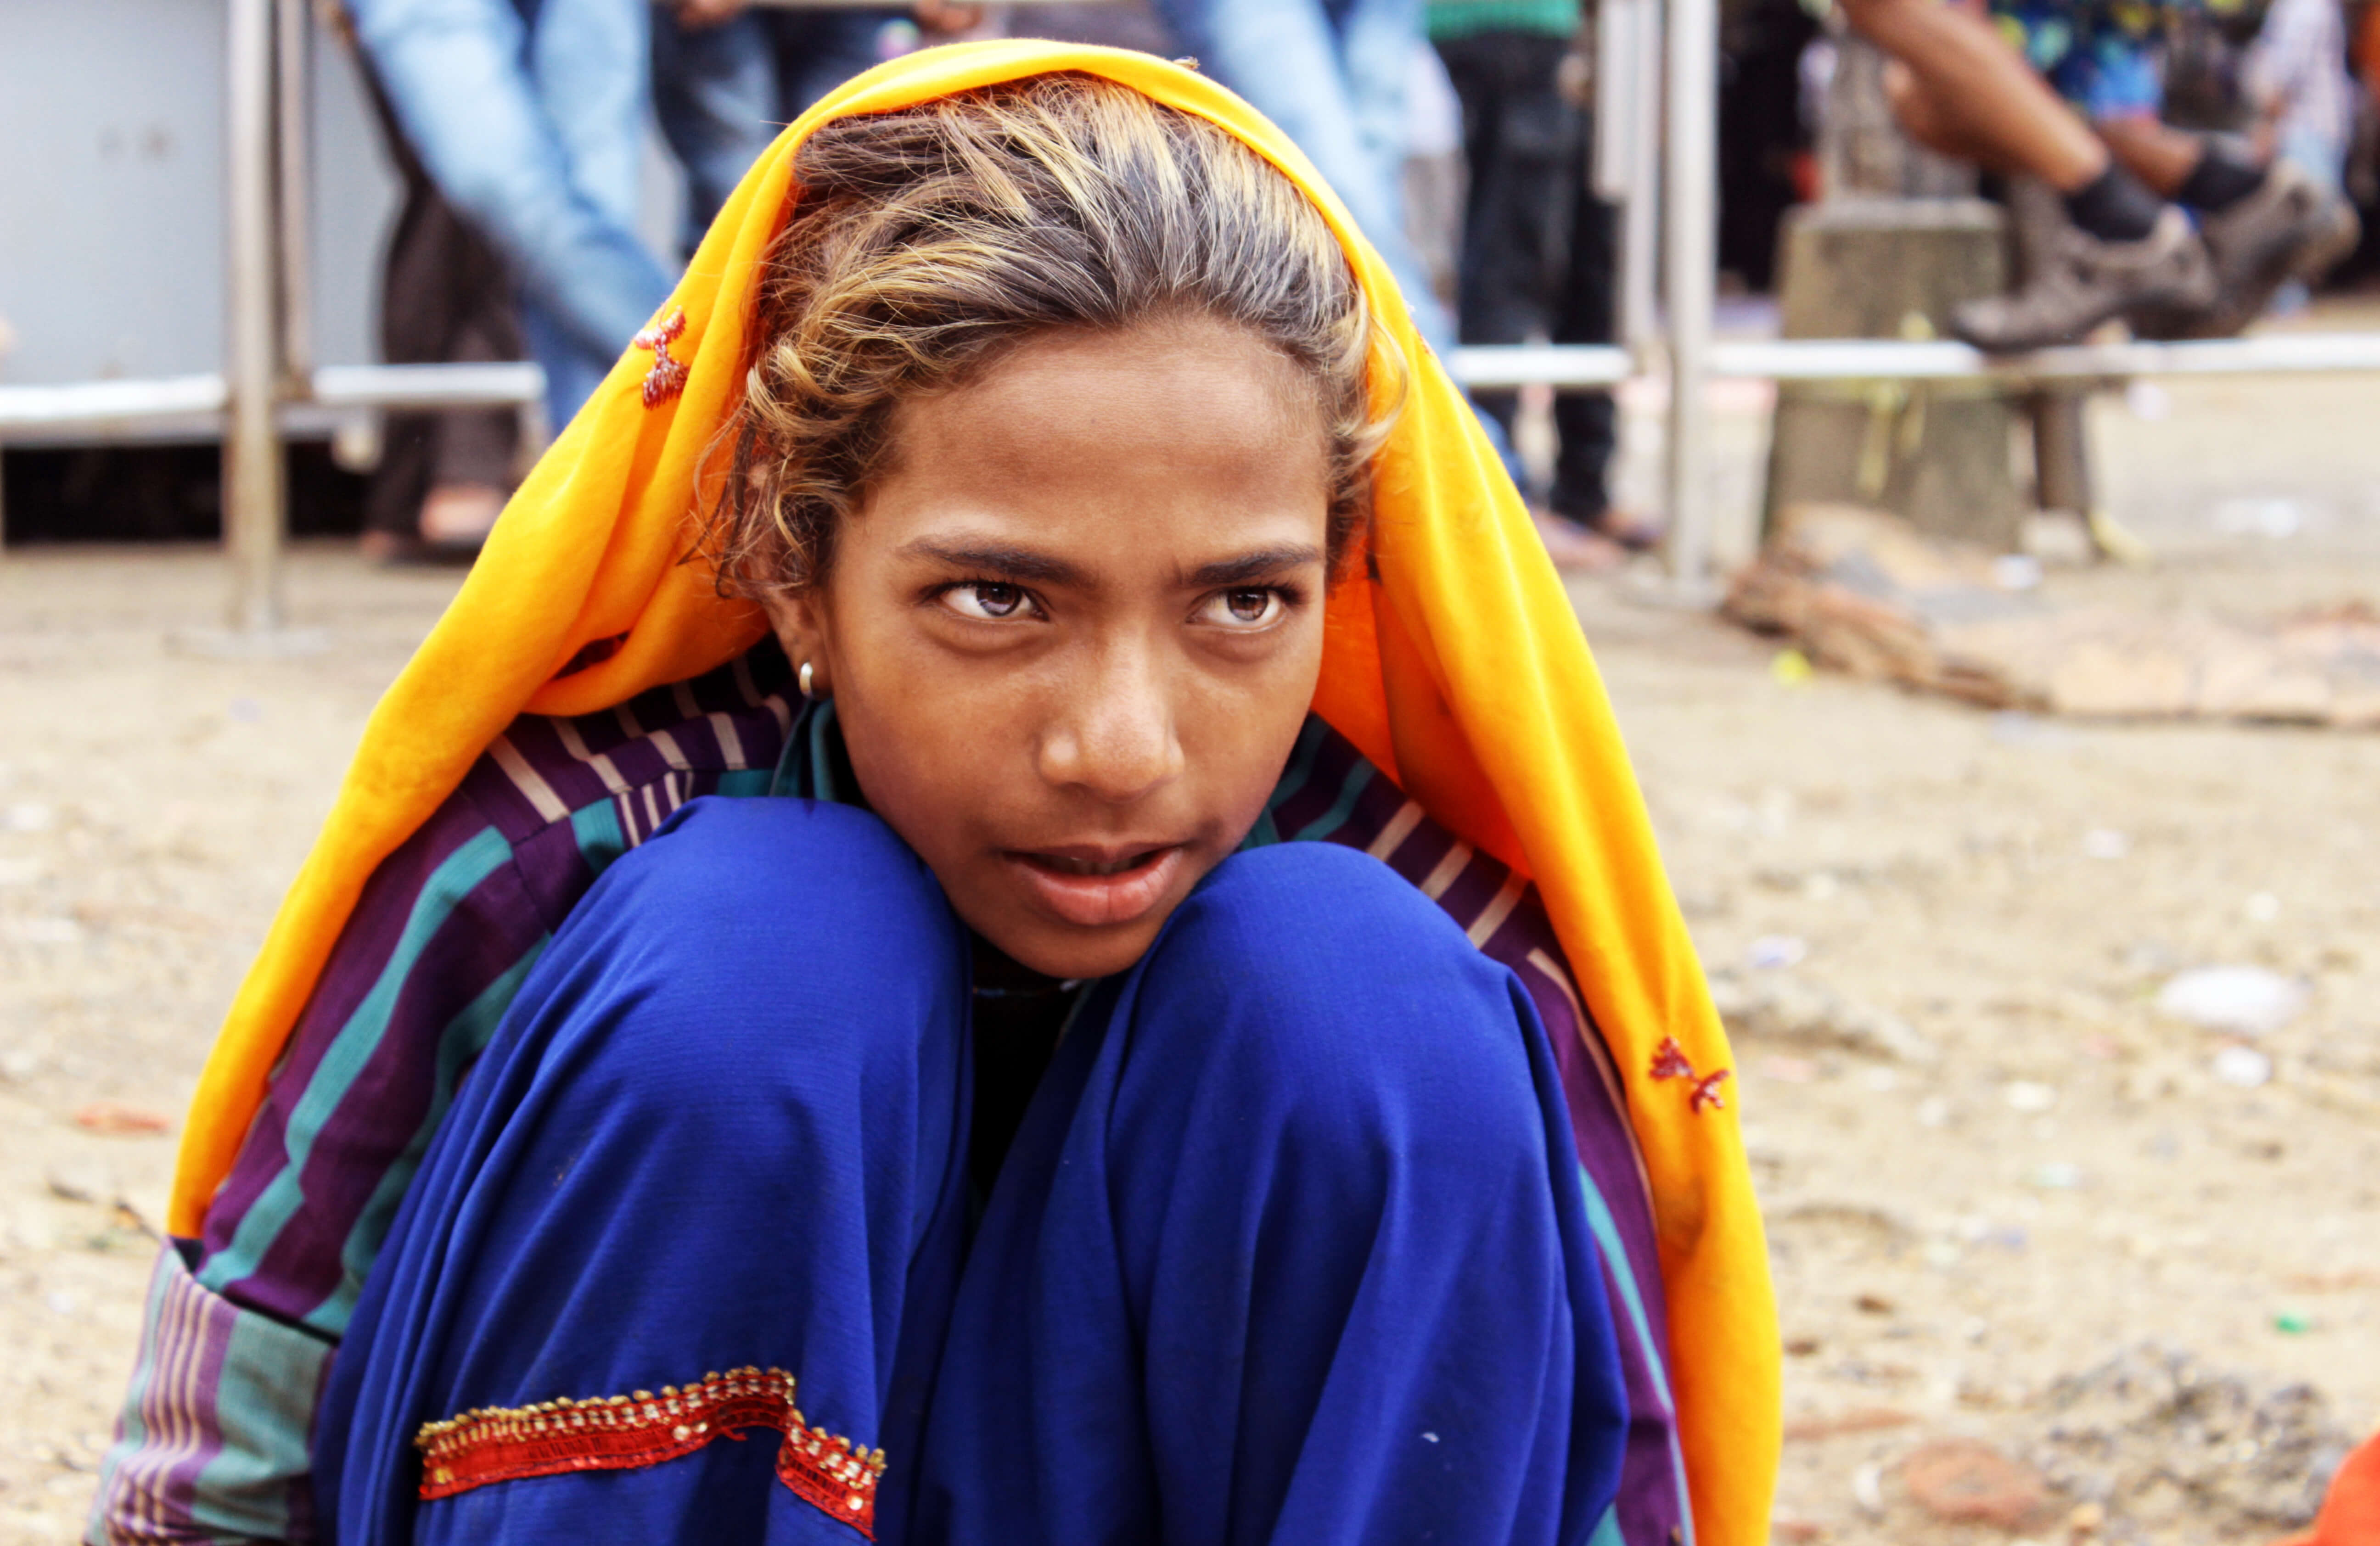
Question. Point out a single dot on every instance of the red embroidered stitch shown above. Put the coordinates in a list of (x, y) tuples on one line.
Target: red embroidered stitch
[(1669, 1062), (554, 1438), (667, 378)]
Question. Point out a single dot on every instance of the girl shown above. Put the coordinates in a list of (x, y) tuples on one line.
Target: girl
[(1111, 1075)]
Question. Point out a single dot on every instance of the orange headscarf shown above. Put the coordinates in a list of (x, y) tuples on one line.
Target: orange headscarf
[(1462, 674)]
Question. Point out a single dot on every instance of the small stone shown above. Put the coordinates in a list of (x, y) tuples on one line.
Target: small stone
[(2247, 1000), (1965, 1480), (1873, 1304), (2244, 1067)]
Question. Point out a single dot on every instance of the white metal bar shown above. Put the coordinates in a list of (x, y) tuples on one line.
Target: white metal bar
[(1560, 366), (429, 386), (103, 404), (253, 494), (1690, 268), (1616, 85)]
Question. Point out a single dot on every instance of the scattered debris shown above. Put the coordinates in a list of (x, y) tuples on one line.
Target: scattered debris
[(1780, 1007), (1863, 592), (2248, 1000), (1868, 1489), (1860, 1420), (2292, 1323), (115, 1117), (1775, 952), (1873, 1304), (2157, 1440), (2055, 1175), (1968, 1482), (79, 1181), (2026, 1095), (2105, 843), (2245, 1066)]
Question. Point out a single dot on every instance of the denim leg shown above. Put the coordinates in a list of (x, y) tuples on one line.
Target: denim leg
[(722, 1125), (1292, 1249), (818, 51), (715, 94), (532, 126)]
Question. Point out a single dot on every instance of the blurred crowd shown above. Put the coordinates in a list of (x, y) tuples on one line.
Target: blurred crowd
[(2207, 155)]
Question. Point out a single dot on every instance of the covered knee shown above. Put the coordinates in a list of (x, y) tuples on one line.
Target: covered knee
[(747, 933), (1308, 990)]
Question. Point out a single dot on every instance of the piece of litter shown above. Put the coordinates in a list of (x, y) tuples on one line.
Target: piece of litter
[(61, 1304), (42, 931), (2023, 1095), (2243, 1066), (2016, 572), (2262, 906), (2292, 1323), (1867, 1487), (2246, 999), (118, 1118), (1964, 1481), (2105, 843), (25, 816), (2275, 518), (2056, 1175), (1429, 1438), (1790, 668), (1773, 952)]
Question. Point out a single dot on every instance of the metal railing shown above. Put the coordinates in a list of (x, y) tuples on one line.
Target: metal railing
[(1657, 159)]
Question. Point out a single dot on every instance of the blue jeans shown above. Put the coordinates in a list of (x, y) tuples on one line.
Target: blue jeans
[(529, 114), (1331, 74), (723, 93)]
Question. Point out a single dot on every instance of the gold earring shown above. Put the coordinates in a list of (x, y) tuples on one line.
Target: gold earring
[(804, 678)]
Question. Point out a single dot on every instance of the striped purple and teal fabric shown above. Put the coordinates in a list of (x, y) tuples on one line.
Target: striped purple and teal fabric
[(212, 1442)]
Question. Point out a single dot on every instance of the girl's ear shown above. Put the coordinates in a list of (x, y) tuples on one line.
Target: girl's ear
[(796, 617)]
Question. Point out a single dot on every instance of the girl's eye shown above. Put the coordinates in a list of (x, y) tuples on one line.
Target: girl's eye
[(1244, 609), (988, 600)]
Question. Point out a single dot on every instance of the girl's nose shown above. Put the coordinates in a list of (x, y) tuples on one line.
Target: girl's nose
[(1116, 738)]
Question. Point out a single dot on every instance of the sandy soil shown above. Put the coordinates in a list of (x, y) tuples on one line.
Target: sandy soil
[(1952, 1237)]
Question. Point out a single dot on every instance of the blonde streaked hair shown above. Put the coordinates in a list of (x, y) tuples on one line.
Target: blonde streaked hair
[(922, 243)]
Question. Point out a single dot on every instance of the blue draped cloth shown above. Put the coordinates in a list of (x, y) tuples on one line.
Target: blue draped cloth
[(1289, 1246)]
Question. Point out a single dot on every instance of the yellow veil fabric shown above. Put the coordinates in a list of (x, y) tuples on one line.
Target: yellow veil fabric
[(1462, 674)]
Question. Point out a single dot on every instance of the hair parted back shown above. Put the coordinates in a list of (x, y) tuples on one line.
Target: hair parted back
[(923, 243)]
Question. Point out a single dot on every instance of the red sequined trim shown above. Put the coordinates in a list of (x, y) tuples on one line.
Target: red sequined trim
[(626, 1432)]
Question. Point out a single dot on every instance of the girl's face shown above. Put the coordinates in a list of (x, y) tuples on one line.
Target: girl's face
[(1072, 633)]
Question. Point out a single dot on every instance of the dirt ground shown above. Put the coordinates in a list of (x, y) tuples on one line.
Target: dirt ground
[(1953, 1237)]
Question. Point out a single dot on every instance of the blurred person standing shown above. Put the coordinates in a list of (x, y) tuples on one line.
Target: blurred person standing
[(530, 116), (445, 298), (2297, 81), (1331, 74), (1537, 247)]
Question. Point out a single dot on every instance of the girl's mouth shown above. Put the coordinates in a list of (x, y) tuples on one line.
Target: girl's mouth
[(1093, 890)]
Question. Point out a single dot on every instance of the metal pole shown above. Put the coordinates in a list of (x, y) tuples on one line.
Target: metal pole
[(253, 494), (293, 140), (1640, 229), (1691, 189)]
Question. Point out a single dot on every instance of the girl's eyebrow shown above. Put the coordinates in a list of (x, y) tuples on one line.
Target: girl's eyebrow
[(1249, 567), (999, 557)]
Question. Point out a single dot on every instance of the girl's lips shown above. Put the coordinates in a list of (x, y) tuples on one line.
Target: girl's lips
[(1099, 901)]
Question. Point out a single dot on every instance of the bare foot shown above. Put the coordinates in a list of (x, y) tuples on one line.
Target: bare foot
[(460, 514)]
